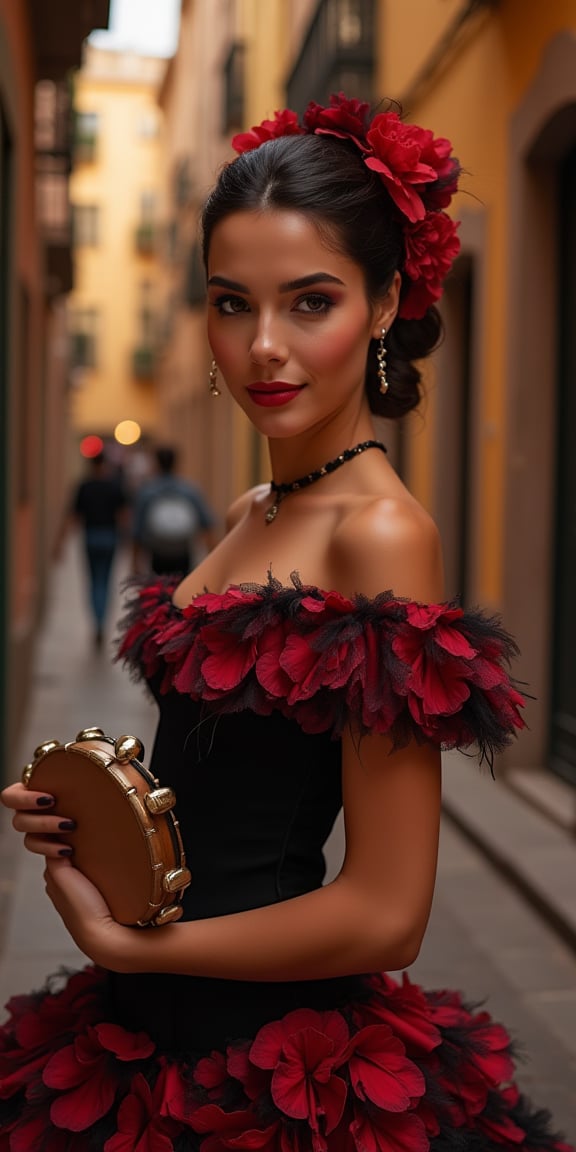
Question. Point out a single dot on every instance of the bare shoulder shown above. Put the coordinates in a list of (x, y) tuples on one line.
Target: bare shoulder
[(242, 505), (389, 543)]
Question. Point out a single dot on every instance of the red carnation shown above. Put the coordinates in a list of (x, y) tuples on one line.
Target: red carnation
[(347, 119), (431, 248), (401, 157), (140, 1124), (285, 123), (380, 1070), (88, 1069), (389, 1132)]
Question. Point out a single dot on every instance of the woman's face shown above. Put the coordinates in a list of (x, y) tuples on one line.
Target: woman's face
[(289, 321)]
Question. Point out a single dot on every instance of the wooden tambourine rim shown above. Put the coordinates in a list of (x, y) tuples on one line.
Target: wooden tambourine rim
[(164, 866)]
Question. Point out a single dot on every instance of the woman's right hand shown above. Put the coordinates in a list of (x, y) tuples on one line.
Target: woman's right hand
[(43, 833)]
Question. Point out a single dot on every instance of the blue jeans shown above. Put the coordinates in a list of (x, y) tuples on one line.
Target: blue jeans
[(100, 549)]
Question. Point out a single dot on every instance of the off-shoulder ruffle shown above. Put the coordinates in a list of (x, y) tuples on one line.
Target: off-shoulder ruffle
[(385, 665)]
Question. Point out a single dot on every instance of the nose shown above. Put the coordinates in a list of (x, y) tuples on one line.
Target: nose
[(269, 343)]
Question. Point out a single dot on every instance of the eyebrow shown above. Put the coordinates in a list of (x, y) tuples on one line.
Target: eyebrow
[(288, 286)]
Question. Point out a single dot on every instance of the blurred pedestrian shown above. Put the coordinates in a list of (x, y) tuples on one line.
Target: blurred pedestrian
[(172, 523), (99, 507)]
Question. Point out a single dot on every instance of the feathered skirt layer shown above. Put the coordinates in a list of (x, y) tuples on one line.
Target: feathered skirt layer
[(399, 1070)]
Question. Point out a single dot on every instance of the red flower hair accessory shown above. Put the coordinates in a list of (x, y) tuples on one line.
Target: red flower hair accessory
[(416, 168)]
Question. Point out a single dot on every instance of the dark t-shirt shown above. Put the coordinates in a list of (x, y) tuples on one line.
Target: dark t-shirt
[(98, 501)]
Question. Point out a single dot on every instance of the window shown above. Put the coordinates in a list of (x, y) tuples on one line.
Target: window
[(233, 112), (86, 137), (337, 54), (83, 338), (146, 229), (148, 125), (86, 225)]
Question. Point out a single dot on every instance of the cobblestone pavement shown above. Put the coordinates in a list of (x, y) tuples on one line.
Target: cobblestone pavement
[(482, 936)]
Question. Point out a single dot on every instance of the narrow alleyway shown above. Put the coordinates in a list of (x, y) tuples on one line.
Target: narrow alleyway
[(482, 937)]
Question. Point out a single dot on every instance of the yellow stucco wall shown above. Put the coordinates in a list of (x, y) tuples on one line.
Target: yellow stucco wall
[(109, 276), (470, 99)]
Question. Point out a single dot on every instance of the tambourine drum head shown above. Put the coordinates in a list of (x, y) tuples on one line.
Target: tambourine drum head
[(110, 840)]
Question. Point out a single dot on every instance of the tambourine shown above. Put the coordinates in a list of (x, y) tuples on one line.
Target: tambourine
[(127, 839)]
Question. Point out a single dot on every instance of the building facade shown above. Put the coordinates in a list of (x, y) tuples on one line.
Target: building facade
[(489, 452), (39, 44), (114, 310)]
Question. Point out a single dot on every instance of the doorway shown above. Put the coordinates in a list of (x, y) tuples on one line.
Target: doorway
[(563, 711)]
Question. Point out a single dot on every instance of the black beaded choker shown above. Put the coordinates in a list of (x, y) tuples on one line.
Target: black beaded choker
[(282, 490)]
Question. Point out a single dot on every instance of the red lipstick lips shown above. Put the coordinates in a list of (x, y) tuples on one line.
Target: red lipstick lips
[(274, 393)]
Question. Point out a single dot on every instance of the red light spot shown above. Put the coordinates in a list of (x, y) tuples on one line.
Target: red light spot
[(91, 446)]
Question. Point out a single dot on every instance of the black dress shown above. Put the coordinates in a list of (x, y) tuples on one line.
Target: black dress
[(255, 687)]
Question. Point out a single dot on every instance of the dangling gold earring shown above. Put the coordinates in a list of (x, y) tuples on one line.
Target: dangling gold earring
[(381, 358), (214, 389)]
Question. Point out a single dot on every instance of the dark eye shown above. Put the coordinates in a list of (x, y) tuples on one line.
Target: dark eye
[(314, 303), (230, 305)]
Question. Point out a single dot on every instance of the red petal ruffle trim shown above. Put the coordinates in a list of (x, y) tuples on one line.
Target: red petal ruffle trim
[(389, 1072), (384, 665)]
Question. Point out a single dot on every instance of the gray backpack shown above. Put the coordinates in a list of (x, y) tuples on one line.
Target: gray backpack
[(170, 523)]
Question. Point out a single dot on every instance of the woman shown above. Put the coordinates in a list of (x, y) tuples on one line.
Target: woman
[(296, 682)]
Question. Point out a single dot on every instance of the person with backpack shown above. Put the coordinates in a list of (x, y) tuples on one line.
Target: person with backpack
[(172, 521)]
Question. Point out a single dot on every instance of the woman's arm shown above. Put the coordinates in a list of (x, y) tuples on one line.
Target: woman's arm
[(373, 915)]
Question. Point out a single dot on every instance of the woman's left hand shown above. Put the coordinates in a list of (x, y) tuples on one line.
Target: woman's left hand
[(86, 915)]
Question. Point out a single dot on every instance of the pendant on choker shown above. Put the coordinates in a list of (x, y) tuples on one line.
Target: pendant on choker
[(281, 490)]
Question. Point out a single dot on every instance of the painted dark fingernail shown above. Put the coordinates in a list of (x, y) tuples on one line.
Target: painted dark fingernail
[(67, 825), (64, 851), (45, 801)]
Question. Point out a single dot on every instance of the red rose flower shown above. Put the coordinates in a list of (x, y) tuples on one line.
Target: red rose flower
[(401, 155), (380, 1070), (86, 1073), (285, 123), (431, 248), (389, 1132), (140, 1123), (303, 1049), (347, 119)]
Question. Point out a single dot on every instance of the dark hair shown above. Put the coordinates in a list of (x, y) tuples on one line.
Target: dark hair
[(165, 459), (327, 180)]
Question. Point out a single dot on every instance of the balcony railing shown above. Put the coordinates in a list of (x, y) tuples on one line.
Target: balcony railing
[(145, 238), (85, 148), (52, 131), (337, 54), (144, 362)]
